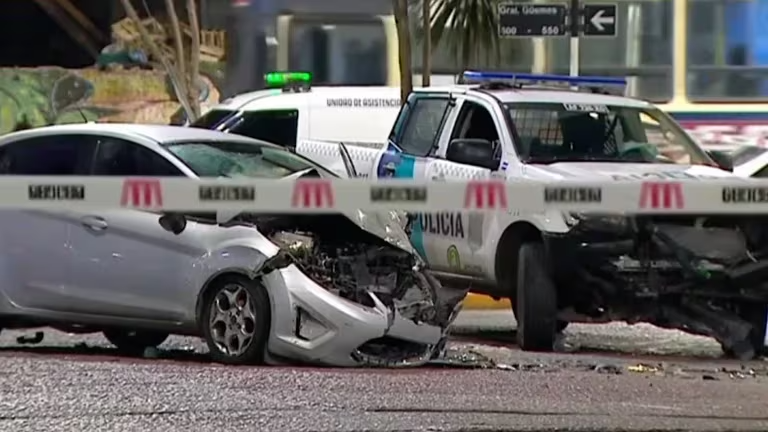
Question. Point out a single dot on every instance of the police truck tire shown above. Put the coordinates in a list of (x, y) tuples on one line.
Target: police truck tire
[(559, 327), (536, 310), (755, 314)]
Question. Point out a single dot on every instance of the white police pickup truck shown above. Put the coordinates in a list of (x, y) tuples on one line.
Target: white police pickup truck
[(695, 273)]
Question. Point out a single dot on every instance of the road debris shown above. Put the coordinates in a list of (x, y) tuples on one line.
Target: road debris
[(643, 368), (31, 340), (609, 369)]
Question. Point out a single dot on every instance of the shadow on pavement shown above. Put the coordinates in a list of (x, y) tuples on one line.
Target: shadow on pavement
[(83, 351)]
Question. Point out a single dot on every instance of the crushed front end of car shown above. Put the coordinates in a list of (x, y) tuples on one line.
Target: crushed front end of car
[(352, 291), (700, 274)]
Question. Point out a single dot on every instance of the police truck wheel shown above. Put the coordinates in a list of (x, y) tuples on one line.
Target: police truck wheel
[(757, 315), (536, 310), (559, 327)]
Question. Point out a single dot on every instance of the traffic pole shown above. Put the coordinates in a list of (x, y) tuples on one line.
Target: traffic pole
[(574, 27)]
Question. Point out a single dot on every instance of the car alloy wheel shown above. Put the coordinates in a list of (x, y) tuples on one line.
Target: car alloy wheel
[(236, 321)]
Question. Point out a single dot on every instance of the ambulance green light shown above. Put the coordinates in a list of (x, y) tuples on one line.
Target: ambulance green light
[(287, 79)]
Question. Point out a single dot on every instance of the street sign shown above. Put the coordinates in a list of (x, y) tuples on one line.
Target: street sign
[(532, 20), (600, 19)]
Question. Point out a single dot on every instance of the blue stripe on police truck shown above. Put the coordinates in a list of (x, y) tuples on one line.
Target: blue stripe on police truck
[(405, 167)]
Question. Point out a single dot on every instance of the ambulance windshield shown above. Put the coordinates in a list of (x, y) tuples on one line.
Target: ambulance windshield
[(562, 132)]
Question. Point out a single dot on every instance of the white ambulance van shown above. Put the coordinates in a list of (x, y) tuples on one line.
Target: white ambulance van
[(291, 111)]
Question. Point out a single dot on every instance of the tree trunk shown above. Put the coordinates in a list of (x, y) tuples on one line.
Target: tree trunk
[(426, 49), (194, 59), (404, 48), (176, 80), (178, 42)]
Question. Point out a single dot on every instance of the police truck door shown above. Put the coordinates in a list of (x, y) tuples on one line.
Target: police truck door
[(463, 234), (410, 151)]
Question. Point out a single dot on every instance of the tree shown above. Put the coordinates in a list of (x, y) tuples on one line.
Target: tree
[(402, 23), (426, 45), (184, 74), (468, 28), (194, 58)]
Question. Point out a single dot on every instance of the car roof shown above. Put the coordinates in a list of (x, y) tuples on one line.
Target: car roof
[(160, 134), (543, 95)]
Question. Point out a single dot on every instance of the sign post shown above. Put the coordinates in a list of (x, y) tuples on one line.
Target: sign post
[(573, 69), (558, 20)]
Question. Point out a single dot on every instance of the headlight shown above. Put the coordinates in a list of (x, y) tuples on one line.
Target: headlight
[(597, 222)]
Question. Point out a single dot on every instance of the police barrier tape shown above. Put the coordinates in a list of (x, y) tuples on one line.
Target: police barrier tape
[(711, 196)]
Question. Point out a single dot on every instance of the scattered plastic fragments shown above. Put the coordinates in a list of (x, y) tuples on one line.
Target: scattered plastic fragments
[(31, 340), (643, 368), (469, 359), (151, 353), (608, 369)]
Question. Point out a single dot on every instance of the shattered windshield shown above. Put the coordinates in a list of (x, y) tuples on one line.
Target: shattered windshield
[(562, 132), (238, 159)]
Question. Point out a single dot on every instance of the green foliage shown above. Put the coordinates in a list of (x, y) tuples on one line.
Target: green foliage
[(462, 26)]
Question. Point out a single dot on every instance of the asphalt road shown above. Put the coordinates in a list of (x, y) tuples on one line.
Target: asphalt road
[(614, 377), (498, 327)]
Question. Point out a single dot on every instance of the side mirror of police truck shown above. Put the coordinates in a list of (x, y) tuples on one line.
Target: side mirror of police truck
[(722, 159), (472, 151)]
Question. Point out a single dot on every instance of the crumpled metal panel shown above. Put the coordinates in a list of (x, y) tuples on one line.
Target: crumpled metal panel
[(725, 245), (386, 225)]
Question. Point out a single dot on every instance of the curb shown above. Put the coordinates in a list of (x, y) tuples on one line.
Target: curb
[(479, 301)]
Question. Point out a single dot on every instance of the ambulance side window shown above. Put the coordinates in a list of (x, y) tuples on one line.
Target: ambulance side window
[(277, 127), (419, 124)]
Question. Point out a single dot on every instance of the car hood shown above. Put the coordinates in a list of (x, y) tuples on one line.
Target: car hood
[(599, 171), (386, 225)]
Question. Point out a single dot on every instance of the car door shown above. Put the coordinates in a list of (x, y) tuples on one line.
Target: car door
[(36, 256), (126, 264), (469, 252), (408, 155)]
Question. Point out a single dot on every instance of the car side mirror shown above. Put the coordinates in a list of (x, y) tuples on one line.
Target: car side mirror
[(722, 159), (472, 151), (173, 222)]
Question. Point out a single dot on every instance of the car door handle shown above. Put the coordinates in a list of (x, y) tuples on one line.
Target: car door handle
[(94, 222)]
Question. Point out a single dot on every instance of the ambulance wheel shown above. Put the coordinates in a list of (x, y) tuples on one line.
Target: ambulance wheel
[(536, 310), (757, 315)]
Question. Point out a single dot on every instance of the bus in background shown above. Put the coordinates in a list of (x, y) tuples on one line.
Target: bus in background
[(704, 61)]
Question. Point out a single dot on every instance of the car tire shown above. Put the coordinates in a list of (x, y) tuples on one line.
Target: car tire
[(757, 315), (235, 318), (134, 342), (536, 300)]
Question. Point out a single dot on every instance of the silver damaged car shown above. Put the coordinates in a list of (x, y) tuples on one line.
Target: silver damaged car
[(338, 290)]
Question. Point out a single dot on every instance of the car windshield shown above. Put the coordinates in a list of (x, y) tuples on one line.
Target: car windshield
[(238, 159), (562, 132)]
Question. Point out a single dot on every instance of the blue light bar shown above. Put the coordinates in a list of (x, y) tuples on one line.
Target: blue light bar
[(524, 78)]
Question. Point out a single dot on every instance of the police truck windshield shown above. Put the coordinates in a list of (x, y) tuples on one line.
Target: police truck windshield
[(561, 132)]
